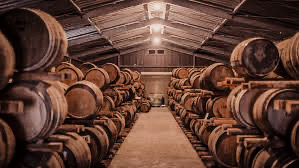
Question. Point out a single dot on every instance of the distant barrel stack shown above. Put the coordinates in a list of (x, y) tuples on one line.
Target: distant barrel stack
[(242, 115), (69, 117)]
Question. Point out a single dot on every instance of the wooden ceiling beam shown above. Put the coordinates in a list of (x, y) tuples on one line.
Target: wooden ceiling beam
[(188, 52), (130, 43), (131, 50), (86, 38), (92, 51), (104, 10), (104, 57)]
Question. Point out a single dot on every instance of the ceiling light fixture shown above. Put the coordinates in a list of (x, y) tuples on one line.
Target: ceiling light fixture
[(156, 28), (157, 6), (156, 40)]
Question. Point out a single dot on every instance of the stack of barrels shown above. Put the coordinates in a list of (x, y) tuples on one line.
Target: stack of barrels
[(31, 42), (241, 125), (47, 121)]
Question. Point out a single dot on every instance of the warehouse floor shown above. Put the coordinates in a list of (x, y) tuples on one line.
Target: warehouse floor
[(156, 141)]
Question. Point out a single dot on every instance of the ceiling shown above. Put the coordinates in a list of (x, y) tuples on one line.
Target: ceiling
[(208, 29)]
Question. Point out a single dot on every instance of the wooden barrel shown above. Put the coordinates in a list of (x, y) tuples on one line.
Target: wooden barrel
[(38, 39), (212, 75), (115, 95), (283, 54), (119, 122), (97, 144), (195, 71), (288, 50), (184, 82), (218, 107), (76, 152), (7, 144), (188, 119), (110, 129), (122, 78), (295, 138), (98, 76), (105, 139), (243, 106), (199, 105), (128, 78), (270, 117), (84, 99), (145, 106), (232, 98), (7, 61), (254, 57), (204, 131), (274, 159), (132, 92), (187, 101), (108, 104), (192, 125), (136, 75), (113, 71), (194, 81), (223, 147), (180, 73), (76, 74), (245, 156), (128, 113), (43, 102), (85, 67), (183, 114), (63, 65), (197, 126)]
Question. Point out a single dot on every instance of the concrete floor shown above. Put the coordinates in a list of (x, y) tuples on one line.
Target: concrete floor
[(156, 141)]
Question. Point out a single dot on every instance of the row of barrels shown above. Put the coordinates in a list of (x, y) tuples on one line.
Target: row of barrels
[(224, 143), (259, 57), (86, 148), (39, 111), (225, 119), (30, 41)]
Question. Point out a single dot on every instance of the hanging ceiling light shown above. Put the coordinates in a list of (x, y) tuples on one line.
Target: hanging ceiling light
[(156, 40), (157, 6), (156, 28)]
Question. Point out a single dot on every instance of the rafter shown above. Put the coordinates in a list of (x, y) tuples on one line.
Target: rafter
[(131, 3), (104, 57), (92, 51)]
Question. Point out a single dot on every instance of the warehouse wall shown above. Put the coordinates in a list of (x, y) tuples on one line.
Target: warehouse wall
[(156, 85), (156, 62)]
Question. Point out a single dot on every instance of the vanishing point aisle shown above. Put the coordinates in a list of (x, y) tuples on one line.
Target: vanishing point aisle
[(156, 141)]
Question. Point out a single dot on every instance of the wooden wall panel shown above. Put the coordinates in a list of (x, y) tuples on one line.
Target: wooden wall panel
[(146, 62)]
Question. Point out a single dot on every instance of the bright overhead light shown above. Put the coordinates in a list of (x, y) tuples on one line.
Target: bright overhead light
[(156, 28), (156, 40), (157, 6)]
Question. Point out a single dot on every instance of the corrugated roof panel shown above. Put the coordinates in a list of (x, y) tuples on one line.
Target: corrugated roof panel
[(76, 33)]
